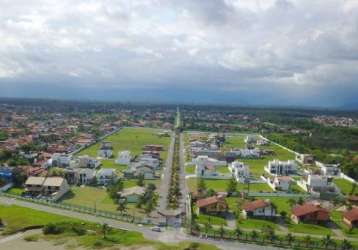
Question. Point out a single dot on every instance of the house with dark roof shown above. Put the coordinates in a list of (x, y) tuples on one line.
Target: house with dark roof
[(258, 208), (309, 212), (211, 205), (350, 218), (105, 150)]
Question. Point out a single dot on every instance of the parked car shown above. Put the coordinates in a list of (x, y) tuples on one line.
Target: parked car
[(156, 229)]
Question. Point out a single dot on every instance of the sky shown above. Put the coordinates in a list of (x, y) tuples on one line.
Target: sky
[(243, 52)]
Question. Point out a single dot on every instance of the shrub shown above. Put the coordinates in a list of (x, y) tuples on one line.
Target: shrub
[(79, 229), (33, 237), (53, 228)]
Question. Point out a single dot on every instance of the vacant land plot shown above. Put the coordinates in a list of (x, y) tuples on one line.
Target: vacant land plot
[(234, 141), (309, 229), (221, 185), (346, 187), (90, 197), (17, 218), (132, 139)]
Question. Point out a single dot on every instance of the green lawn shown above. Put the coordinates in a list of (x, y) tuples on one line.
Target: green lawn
[(17, 218), (190, 169), (345, 186), (90, 197), (15, 191), (256, 224), (212, 220), (235, 141), (132, 139), (221, 185), (336, 217), (309, 229), (133, 182), (281, 203), (222, 170)]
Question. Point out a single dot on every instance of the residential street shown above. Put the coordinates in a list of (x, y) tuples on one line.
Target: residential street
[(168, 236)]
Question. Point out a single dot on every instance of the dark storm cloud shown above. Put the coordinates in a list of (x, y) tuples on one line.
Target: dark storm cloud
[(255, 52)]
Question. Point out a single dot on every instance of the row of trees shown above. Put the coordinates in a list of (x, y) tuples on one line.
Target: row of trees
[(174, 188)]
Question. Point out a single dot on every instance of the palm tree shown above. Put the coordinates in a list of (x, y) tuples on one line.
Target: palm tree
[(254, 235), (222, 231), (308, 240), (122, 205), (207, 227), (326, 241), (346, 245), (104, 230), (289, 238), (238, 231)]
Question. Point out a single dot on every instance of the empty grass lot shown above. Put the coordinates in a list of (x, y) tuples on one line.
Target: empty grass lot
[(132, 139), (17, 218), (212, 220), (235, 141), (309, 229), (221, 185), (345, 186)]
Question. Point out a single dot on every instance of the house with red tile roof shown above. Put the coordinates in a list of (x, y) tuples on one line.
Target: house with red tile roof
[(350, 218), (309, 212), (258, 208), (212, 205)]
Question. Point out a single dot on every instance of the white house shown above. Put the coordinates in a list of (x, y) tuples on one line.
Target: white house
[(60, 160), (206, 166), (277, 167), (239, 170), (280, 183), (55, 187), (251, 139), (328, 169), (124, 157), (146, 159), (305, 158), (105, 150), (136, 169), (250, 153), (316, 183), (106, 176), (258, 208), (85, 161), (85, 176)]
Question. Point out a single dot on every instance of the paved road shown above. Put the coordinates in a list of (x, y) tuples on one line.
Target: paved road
[(165, 181), (168, 236)]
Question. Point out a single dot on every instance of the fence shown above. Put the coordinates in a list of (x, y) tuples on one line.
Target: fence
[(86, 210), (259, 238)]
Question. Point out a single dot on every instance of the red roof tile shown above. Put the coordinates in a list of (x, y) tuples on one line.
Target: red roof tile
[(251, 206), (207, 201), (351, 215), (307, 208)]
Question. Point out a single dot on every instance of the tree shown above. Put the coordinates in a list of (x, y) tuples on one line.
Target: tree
[(122, 205), (326, 241), (300, 201), (283, 214), (104, 230), (18, 176), (238, 231), (222, 231), (346, 245), (308, 240), (201, 187), (207, 227), (292, 202), (289, 238), (140, 181), (254, 234), (354, 186), (232, 186)]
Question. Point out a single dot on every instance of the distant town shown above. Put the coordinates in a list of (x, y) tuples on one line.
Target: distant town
[(224, 176)]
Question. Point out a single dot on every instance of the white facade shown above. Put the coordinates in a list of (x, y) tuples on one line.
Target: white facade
[(85, 161), (328, 169), (251, 139), (281, 183), (205, 165), (239, 170), (316, 183), (124, 158), (277, 167), (85, 176), (106, 176), (60, 160)]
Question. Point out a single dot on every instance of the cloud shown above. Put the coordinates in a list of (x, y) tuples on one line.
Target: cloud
[(231, 47)]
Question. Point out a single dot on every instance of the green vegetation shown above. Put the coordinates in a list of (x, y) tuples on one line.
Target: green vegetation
[(346, 187), (15, 191), (236, 141), (90, 197), (256, 224), (211, 219), (190, 169), (222, 170), (17, 218), (221, 185), (132, 139), (307, 228)]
